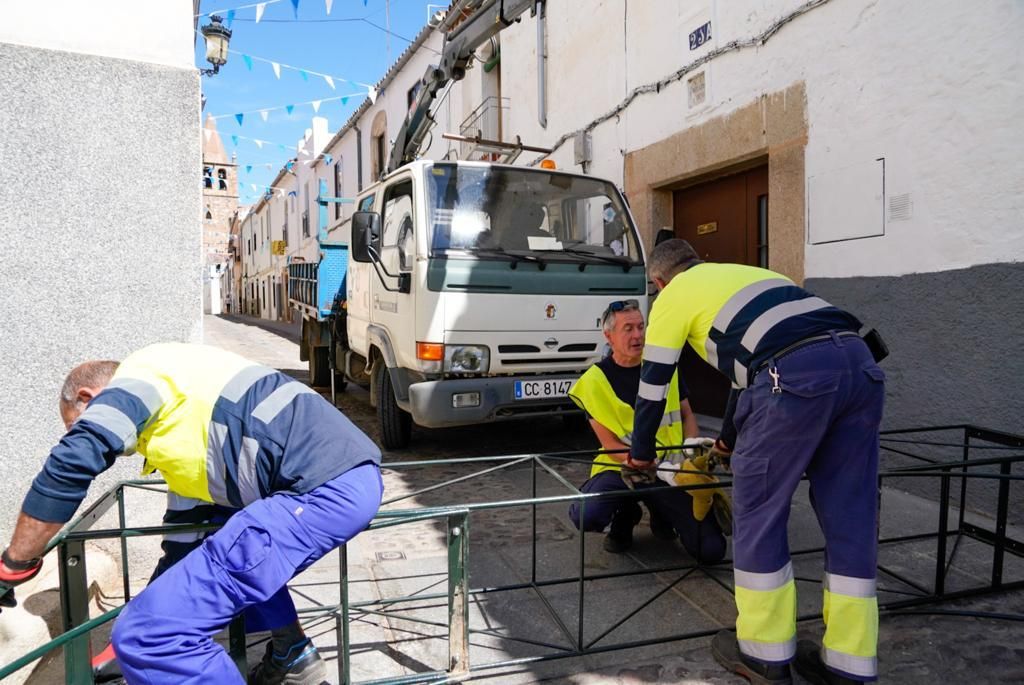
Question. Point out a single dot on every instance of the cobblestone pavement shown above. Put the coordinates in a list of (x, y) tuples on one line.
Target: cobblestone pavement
[(411, 558)]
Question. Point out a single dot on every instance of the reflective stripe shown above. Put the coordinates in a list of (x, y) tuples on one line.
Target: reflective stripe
[(145, 392), (627, 439), (269, 408), (654, 393), (764, 582), (742, 298), (216, 470), (115, 421), (740, 373), (661, 355), (185, 538), (769, 651), (671, 417), (712, 351), (776, 315), (861, 666), (248, 483), (176, 502), (243, 380), (850, 586)]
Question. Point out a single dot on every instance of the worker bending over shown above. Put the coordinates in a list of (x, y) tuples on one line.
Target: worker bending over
[(300, 477), (811, 403), (607, 391)]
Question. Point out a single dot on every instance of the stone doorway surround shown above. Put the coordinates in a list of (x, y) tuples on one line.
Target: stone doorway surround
[(774, 127)]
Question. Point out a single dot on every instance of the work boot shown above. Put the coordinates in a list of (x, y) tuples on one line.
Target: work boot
[(661, 528), (302, 665), (105, 668), (726, 651), (620, 534), (809, 665)]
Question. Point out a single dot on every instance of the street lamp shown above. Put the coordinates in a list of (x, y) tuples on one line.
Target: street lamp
[(217, 37)]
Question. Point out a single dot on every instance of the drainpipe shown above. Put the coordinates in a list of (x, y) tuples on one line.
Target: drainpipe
[(359, 160), (542, 59)]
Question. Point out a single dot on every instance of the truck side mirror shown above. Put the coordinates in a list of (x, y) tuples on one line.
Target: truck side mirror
[(365, 234)]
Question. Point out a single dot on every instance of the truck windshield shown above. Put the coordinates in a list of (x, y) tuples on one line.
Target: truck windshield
[(488, 211)]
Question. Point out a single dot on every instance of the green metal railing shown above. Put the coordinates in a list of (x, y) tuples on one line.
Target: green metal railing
[(1001, 452)]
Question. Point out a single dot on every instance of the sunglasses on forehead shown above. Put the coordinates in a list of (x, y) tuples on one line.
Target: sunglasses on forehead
[(618, 306)]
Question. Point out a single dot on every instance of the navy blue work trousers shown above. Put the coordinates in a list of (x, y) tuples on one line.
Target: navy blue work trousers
[(165, 633)]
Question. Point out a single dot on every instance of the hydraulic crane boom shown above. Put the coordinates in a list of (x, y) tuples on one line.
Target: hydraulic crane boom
[(467, 26)]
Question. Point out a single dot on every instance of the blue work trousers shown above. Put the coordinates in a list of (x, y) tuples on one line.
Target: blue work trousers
[(165, 634), (702, 539), (815, 410)]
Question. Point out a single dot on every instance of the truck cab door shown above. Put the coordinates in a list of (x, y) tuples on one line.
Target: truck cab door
[(392, 310), (360, 281)]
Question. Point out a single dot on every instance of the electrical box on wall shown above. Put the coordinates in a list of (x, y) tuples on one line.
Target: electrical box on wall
[(582, 143), (846, 203)]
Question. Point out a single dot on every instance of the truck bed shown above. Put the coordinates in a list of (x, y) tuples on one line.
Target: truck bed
[(318, 289)]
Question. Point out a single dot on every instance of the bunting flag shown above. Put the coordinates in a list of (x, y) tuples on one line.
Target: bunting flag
[(316, 105), (248, 168), (283, 148), (328, 159), (329, 3), (248, 62), (290, 165), (330, 81), (234, 140), (259, 11), (372, 94), (295, 6), (259, 143), (344, 100), (305, 74), (269, 166), (230, 18), (277, 69), (239, 117), (264, 114), (290, 109)]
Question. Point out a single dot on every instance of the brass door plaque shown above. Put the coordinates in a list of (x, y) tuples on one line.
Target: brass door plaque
[(704, 229)]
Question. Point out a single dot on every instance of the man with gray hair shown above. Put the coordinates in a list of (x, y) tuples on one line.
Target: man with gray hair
[(809, 401), (294, 478)]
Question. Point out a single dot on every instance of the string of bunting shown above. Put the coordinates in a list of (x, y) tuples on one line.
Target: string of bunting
[(264, 112), (261, 8)]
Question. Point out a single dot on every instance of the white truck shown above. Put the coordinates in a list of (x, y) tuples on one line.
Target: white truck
[(467, 292)]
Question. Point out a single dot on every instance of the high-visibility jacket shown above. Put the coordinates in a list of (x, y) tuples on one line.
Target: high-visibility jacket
[(594, 394), (217, 427), (735, 317)]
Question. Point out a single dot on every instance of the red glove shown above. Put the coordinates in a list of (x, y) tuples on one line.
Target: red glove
[(13, 572)]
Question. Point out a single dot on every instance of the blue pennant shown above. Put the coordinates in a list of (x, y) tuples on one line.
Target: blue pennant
[(248, 168), (328, 159), (239, 117), (231, 18), (248, 61), (289, 108), (234, 140), (295, 6)]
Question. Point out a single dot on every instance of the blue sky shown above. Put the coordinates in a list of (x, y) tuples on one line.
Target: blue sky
[(349, 43)]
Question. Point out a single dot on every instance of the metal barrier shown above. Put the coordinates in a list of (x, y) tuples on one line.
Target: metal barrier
[(914, 452)]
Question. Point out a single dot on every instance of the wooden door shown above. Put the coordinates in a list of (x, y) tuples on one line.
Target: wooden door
[(726, 220)]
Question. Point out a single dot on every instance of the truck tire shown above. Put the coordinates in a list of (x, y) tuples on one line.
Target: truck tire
[(319, 367), (395, 423)]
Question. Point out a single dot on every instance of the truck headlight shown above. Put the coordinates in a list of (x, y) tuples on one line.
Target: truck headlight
[(466, 359)]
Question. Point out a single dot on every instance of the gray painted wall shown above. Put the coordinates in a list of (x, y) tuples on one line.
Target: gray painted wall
[(100, 211), (956, 340)]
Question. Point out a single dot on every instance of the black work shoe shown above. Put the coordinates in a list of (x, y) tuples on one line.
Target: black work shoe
[(620, 533), (661, 528), (726, 651), (302, 665), (809, 665)]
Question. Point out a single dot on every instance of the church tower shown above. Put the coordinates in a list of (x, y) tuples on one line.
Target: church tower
[(220, 195)]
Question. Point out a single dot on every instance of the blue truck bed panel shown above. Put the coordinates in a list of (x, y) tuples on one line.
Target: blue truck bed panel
[(320, 287)]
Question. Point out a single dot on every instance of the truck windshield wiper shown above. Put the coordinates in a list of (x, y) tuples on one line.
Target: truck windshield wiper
[(625, 262), (515, 258)]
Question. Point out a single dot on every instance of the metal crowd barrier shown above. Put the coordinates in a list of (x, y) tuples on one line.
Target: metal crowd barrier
[(983, 455)]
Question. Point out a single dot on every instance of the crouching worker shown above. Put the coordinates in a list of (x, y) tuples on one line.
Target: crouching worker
[(226, 431), (607, 391)]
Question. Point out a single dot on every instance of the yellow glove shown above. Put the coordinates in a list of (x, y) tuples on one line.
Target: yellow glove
[(703, 498)]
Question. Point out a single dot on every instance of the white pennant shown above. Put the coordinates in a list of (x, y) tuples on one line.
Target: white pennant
[(316, 105), (329, 3), (277, 69), (259, 11), (269, 166), (207, 132), (255, 188), (259, 143), (372, 93), (264, 113), (330, 81)]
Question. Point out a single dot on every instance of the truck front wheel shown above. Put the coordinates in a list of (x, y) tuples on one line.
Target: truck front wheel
[(395, 423), (319, 367)]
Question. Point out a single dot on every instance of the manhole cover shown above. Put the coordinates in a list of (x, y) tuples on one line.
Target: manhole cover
[(390, 556)]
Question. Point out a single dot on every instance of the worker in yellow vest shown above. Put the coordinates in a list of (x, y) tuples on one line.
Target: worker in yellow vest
[(607, 392), (298, 478)]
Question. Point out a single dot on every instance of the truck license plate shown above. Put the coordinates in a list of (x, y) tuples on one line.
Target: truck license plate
[(536, 390)]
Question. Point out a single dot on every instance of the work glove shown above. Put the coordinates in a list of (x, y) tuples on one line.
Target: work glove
[(704, 499), (633, 477), (13, 573), (720, 455)]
